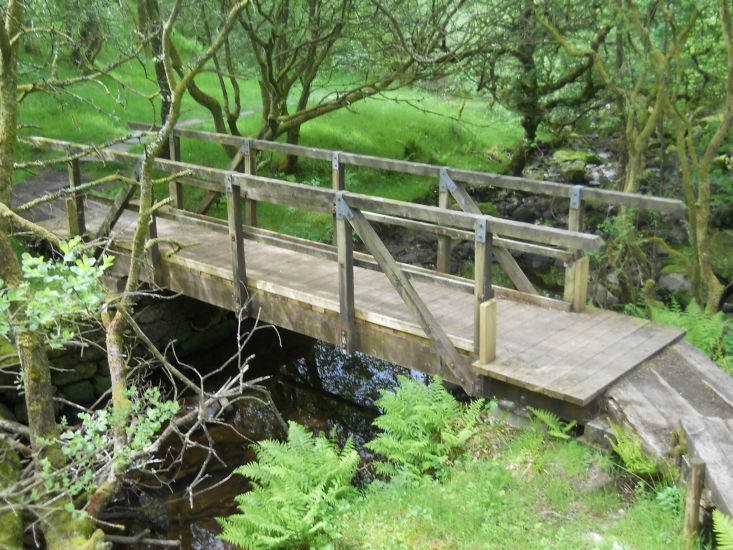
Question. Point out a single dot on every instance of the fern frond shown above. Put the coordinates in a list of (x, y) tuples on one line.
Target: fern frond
[(723, 527)]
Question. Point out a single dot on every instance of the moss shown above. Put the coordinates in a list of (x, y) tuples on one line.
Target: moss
[(11, 524), (721, 252), (568, 155)]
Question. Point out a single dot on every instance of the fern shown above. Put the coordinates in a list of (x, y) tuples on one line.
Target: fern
[(628, 447), (423, 429), (555, 427), (297, 485), (723, 527)]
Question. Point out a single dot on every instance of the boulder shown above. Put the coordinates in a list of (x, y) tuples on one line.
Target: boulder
[(673, 282), (80, 371), (573, 172), (101, 384), (81, 393)]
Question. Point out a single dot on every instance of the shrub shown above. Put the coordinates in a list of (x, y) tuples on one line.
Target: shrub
[(297, 487), (423, 428)]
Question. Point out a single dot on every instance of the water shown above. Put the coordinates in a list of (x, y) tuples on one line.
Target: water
[(312, 383)]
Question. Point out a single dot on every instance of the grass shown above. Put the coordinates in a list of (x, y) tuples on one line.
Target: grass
[(528, 493), (409, 124)]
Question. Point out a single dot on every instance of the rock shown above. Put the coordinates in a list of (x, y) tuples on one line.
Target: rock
[(676, 235), (101, 384), (597, 478), (81, 393), (150, 314), (722, 217), (524, 213), (80, 371), (721, 253), (673, 282), (568, 155), (573, 172), (603, 297)]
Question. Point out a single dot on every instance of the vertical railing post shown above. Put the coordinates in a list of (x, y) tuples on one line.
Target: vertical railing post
[(236, 236), (576, 270), (175, 187), (153, 252), (483, 291), (338, 183), (250, 206), (444, 242), (345, 249), (695, 480), (75, 202)]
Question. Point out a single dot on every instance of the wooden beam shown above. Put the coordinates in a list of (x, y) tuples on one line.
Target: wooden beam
[(452, 360), (248, 162), (514, 271), (487, 334), (482, 276), (75, 203), (175, 187), (576, 283), (239, 272), (444, 241), (338, 184), (695, 480), (345, 250), (153, 254), (113, 214)]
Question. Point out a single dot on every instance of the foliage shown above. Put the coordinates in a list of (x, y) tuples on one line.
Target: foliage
[(723, 527), (669, 498), (711, 334), (555, 426), (54, 294), (87, 446), (298, 485), (628, 447), (423, 428)]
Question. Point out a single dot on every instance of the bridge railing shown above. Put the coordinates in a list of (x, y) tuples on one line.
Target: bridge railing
[(452, 182), (353, 213)]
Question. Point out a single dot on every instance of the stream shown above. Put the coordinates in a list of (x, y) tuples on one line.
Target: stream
[(311, 383)]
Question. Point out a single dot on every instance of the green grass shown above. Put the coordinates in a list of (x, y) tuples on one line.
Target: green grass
[(526, 495), (385, 126)]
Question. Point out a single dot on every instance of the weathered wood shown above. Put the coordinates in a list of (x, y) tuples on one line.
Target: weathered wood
[(487, 334), (345, 247), (453, 361), (248, 163), (118, 206), (175, 187), (482, 276), (444, 241), (515, 273), (695, 479), (239, 273), (338, 184), (602, 196), (75, 203), (153, 254), (576, 283)]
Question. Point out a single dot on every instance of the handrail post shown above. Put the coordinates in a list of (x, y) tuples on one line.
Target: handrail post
[(153, 252), (483, 290), (236, 236), (444, 242), (175, 187), (75, 202), (695, 481), (345, 249), (338, 183), (576, 270), (250, 206)]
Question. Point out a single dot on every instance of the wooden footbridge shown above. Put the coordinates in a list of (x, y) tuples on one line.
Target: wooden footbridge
[(471, 332), (491, 340)]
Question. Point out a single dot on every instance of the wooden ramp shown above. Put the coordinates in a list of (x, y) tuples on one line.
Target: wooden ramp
[(568, 356)]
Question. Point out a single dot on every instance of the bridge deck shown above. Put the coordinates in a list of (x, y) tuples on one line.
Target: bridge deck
[(569, 356)]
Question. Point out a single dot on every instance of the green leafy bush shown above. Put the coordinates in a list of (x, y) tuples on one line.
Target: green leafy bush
[(423, 428), (708, 333), (628, 447), (723, 527), (555, 426), (298, 485)]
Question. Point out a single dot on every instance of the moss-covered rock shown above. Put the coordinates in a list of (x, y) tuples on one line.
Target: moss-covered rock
[(721, 252), (79, 371), (101, 384), (81, 393), (569, 155)]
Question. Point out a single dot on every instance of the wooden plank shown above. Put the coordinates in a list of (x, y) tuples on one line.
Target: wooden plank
[(433, 331), (515, 273), (239, 272), (115, 211), (444, 241), (345, 248)]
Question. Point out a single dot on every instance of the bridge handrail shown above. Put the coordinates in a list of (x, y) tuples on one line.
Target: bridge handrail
[(472, 177)]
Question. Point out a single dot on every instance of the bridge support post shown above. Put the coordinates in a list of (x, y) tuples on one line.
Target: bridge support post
[(250, 206), (576, 271), (695, 480), (487, 336), (444, 242), (175, 187), (236, 236), (75, 202), (345, 248), (153, 253), (483, 290), (338, 183)]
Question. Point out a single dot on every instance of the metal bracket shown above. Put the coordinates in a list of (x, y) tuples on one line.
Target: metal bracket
[(446, 182), (335, 161), (246, 148), (481, 229), (343, 212), (229, 183), (576, 195)]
